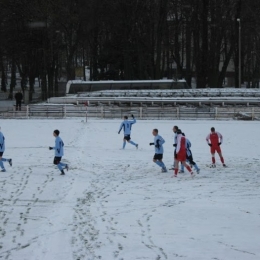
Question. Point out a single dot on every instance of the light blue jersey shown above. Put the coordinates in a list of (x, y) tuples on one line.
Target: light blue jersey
[(158, 144), (188, 146), (2, 142), (189, 157), (59, 151), (126, 125)]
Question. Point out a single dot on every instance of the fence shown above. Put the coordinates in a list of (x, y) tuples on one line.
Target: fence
[(143, 112), (213, 113)]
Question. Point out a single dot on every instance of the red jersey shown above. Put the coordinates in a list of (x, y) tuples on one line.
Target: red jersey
[(181, 148), (214, 138), (181, 143)]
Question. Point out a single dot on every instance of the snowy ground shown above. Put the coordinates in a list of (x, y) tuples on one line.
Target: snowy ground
[(116, 204)]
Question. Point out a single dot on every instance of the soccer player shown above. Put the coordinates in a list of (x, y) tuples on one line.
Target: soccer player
[(158, 145), (174, 129), (2, 149), (59, 152), (181, 156), (214, 140), (189, 157), (127, 126)]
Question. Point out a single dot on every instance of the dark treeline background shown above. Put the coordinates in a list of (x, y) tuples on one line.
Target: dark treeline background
[(124, 40)]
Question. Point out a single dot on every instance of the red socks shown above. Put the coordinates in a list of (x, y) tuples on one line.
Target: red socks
[(188, 168)]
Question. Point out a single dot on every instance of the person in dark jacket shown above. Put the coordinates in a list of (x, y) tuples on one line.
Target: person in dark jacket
[(18, 97)]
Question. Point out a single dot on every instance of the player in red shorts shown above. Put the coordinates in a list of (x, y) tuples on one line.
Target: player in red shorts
[(214, 140), (181, 155)]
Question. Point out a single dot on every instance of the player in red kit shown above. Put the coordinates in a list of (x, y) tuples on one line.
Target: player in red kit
[(181, 155), (214, 140)]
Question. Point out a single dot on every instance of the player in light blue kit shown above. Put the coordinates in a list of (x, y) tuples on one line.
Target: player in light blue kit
[(59, 152), (189, 157), (158, 145), (2, 149), (126, 125)]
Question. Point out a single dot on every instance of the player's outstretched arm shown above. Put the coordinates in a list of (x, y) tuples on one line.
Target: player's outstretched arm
[(133, 121)]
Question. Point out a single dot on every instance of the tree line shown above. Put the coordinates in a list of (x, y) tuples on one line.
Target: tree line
[(127, 40)]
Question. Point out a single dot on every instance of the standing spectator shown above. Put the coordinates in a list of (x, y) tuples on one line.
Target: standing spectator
[(59, 152), (18, 97), (214, 140), (2, 149), (158, 145)]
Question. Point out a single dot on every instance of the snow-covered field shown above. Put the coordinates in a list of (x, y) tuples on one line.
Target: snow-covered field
[(116, 204)]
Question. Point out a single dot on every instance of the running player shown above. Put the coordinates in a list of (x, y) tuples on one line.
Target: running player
[(181, 155), (59, 152), (189, 157), (214, 140), (127, 126), (158, 145), (174, 129), (2, 149)]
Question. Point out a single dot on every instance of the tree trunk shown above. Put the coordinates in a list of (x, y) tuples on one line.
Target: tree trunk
[(56, 83), (84, 64), (188, 74), (160, 29), (202, 69), (94, 55), (50, 76), (236, 58), (3, 78), (224, 67), (44, 86), (13, 79), (70, 68), (31, 85)]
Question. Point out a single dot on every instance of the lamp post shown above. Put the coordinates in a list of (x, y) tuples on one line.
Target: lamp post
[(239, 53)]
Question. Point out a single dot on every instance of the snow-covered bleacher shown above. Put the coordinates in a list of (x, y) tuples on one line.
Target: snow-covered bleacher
[(188, 97), (161, 104), (229, 92)]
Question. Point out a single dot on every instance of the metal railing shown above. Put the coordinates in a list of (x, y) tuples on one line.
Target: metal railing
[(143, 112)]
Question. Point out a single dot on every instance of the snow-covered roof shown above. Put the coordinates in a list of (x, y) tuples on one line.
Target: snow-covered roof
[(118, 82)]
